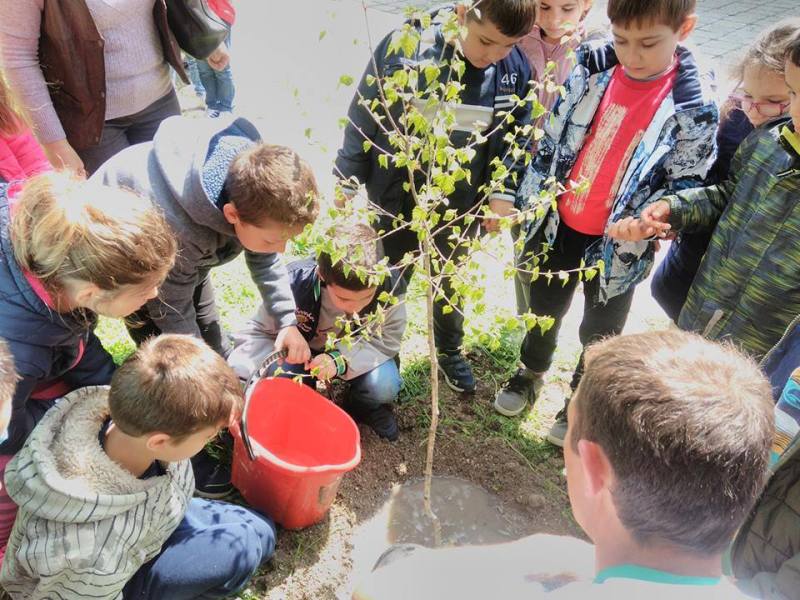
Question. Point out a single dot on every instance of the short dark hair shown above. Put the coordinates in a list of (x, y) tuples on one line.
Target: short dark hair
[(363, 254), (8, 374), (687, 426), (793, 51), (173, 384), (272, 182), (668, 12), (514, 18)]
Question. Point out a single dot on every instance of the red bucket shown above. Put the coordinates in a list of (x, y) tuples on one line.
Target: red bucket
[(291, 451)]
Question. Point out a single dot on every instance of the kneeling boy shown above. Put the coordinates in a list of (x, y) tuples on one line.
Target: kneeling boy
[(104, 487), (327, 293)]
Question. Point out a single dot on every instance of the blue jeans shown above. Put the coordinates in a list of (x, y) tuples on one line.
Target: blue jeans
[(213, 553), (219, 87), (381, 385), (194, 74)]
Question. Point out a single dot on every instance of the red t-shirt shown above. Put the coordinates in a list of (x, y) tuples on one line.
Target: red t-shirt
[(623, 116)]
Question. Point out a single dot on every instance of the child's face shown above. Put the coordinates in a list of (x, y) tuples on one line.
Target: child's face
[(764, 94), (267, 237), (557, 18), (121, 302), (349, 301), (793, 82), (483, 44), (172, 451), (647, 49)]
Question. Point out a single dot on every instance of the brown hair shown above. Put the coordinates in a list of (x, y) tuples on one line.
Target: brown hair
[(770, 49), (513, 18), (667, 12), (8, 374), (361, 243), (173, 384), (686, 425), (68, 229), (13, 117), (793, 50), (272, 182)]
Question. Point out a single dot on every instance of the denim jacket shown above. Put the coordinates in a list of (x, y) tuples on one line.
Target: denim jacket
[(675, 153)]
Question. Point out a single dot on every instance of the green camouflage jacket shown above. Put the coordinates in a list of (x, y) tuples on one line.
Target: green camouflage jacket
[(748, 285)]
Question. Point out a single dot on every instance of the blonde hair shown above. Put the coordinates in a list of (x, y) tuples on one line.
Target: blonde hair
[(65, 229), (768, 51), (13, 117)]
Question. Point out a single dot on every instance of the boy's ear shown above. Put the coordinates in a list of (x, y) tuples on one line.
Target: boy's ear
[(461, 13), (597, 470), (687, 27), (230, 213), (157, 441)]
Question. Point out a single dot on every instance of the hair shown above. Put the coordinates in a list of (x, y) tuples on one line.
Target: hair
[(793, 50), (514, 18), (686, 425), (13, 117), (668, 12), (273, 182), (173, 384), (8, 374), (770, 49), (66, 229), (361, 242)]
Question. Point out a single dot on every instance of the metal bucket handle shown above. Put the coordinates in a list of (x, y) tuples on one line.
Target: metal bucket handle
[(257, 375)]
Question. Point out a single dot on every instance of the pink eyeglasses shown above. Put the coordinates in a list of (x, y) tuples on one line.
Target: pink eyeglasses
[(765, 109)]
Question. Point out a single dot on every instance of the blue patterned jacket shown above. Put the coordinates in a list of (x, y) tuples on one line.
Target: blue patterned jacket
[(675, 153)]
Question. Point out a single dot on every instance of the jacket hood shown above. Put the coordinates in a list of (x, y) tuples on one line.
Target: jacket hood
[(194, 156), (65, 466)]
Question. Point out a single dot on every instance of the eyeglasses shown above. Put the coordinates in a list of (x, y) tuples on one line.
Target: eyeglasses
[(765, 109)]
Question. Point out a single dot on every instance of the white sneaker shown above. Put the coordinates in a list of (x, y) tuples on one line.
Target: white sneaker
[(212, 113)]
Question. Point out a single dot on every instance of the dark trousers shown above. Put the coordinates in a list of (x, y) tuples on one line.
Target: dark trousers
[(122, 132), (674, 276), (553, 298), (448, 328), (206, 314)]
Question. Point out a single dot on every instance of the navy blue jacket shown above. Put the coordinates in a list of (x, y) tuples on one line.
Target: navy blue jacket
[(46, 346)]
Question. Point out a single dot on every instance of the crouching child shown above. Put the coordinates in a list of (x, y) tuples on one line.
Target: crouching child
[(329, 294), (104, 488)]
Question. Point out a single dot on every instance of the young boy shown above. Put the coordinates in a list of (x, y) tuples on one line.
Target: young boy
[(223, 190), (104, 487), (325, 294), (666, 453), (495, 70), (637, 122), (748, 287)]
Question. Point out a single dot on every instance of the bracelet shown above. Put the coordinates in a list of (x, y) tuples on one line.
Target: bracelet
[(339, 361)]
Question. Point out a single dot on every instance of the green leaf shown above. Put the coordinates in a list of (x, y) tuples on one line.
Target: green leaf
[(346, 80), (322, 34), (367, 145), (383, 161)]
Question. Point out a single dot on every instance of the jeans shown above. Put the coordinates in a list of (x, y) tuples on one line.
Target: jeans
[(190, 62), (206, 313), (122, 132), (213, 553), (219, 86), (553, 299)]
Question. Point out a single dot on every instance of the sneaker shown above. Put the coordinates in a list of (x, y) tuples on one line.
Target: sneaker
[(379, 418), (457, 373), (212, 113), (518, 391), (212, 478), (558, 431)]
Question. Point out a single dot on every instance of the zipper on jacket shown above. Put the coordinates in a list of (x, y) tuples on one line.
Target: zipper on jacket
[(791, 326), (788, 173)]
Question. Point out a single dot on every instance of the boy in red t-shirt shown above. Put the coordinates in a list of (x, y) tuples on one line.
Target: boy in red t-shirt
[(637, 121)]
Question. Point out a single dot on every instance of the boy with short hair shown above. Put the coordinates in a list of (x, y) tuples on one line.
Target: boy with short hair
[(638, 121), (495, 70), (666, 453), (326, 293), (104, 487), (223, 190)]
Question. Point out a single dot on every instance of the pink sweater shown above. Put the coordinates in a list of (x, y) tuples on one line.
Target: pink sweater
[(136, 73), (21, 157)]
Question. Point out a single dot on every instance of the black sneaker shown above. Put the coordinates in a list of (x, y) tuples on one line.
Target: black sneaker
[(379, 418), (212, 478), (518, 391), (558, 431), (457, 373)]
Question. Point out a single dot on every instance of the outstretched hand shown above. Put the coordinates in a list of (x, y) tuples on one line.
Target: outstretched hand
[(652, 223)]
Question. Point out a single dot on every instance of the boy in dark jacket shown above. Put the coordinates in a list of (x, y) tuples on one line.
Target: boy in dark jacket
[(326, 294), (495, 71), (222, 190)]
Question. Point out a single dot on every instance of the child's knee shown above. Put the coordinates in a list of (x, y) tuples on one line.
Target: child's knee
[(381, 385)]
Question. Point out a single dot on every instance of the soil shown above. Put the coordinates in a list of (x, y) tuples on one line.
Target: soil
[(317, 563)]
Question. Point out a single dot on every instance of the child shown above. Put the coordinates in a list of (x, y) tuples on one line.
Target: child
[(747, 288), (495, 70), (636, 122), (21, 156), (116, 519), (666, 454), (8, 381), (325, 294), (69, 250), (761, 97)]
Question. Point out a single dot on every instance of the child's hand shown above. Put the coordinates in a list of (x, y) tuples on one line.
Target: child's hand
[(296, 346), (657, 216), (498, 209), (220, 58), (653, 223), (63, 156), (322, 366)]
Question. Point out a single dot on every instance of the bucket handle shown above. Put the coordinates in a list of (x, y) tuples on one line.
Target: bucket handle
[(257, 375)]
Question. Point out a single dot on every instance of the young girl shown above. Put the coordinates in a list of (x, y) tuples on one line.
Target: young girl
[(20, 154), (760, 97), (69, 250)]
